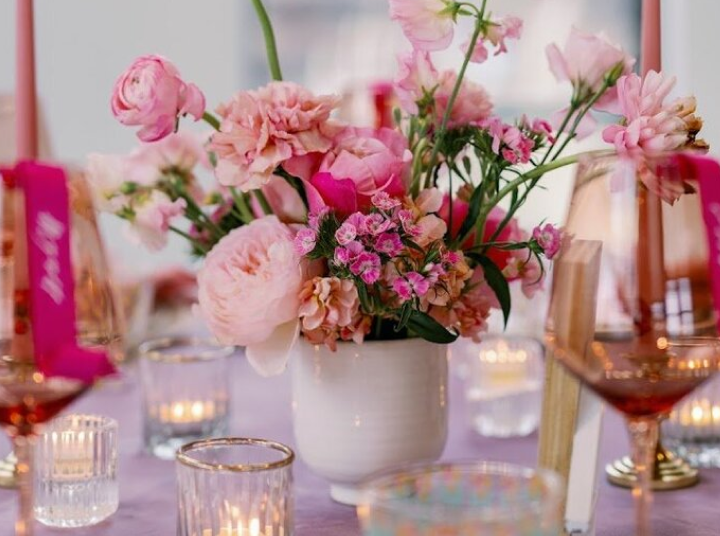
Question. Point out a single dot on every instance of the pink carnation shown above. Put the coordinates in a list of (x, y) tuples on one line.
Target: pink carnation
[(262, 129), (428, 24), (329, 309), (151, 94), (248, 288)]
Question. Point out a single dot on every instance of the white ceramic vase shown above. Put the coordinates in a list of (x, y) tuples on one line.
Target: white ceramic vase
[(368, 407)]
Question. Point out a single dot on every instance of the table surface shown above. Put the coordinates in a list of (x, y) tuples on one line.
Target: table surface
[(262, 409)]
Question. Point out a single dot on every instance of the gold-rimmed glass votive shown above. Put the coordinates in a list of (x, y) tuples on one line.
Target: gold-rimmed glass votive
[(186, 392), (235, 487), (462, 499)]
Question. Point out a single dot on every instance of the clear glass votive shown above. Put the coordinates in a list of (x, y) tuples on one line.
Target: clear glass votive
[(235, 487), (76, 471), (503, 385), (463, 499), (186, 393), (693, 428)]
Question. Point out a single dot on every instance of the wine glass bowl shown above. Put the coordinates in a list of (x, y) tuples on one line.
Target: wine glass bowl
[(655, 324)]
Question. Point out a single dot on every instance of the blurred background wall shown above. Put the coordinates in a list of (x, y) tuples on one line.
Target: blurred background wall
[(330, 45)]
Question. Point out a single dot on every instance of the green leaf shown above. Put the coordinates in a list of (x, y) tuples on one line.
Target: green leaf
[(429, 329), (405, 313), (496, 280), (364, 298), (473, 212)]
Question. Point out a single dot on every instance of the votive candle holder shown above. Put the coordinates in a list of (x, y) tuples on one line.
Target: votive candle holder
[(235, 487), (185, 392), (76, 471)]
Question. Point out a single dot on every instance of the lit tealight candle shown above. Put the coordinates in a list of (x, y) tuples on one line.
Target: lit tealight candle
[(73, 455), (502, 367), (187, 411), (253, 529)]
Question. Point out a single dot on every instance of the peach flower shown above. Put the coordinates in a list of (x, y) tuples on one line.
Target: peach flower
[(260, 130), (248, 292)]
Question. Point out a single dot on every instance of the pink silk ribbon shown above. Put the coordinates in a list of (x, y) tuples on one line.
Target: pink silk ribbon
[(706, 171), (52, 286)]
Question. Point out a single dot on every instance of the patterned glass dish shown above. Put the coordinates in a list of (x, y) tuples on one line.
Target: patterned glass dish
[(463, 499), (235, 487), (76, 471)]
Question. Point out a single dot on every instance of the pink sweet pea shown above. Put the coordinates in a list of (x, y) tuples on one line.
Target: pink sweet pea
[(151, 94), (152, 218), (428, 24), (497, 31), (416, 76)]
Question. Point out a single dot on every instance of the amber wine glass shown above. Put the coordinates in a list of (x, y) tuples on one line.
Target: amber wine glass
[(27, 397), (655, 335)]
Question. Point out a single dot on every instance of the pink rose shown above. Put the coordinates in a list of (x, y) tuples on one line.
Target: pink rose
[(152, 95), (263, 129), (361, 163), (248, 292), (428, 24), (585, 62), (152, 218)]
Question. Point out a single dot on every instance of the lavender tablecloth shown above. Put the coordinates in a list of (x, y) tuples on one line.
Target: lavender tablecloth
[(262, 409)]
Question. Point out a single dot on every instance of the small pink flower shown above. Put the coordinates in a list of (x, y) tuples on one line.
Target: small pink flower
[(383, 201), (402, 289), (509, 27), (389, 243), (433, 271), (327, 306), (550, 238), (357, 220), (305, 241), (376, 224), (316, 217), (153, 216), (419, 284), (345, 234), (263, 129), (151, 94), (526, 268), (426, 23), (367, 266)]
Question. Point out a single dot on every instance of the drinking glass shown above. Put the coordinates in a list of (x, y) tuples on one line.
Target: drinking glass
[(76, 471), (463, 499), (235, 487), (27, 397), (647, 352)]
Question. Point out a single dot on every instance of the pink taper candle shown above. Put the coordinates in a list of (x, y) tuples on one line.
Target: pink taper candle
[(651, 50), (25, 94)]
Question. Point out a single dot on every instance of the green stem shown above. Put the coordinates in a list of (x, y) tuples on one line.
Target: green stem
[(270, 46), (242, 206), (563, 126), (211, 120), (264, 204), (189, 238), (453, 96)]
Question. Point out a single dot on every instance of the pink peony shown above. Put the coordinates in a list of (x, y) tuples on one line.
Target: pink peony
[(263, 129), (585, 62), (152, 217), (330, 310), (418, 77), (428, 24), (497, 31), (152, 95), (361, 163), (248, 291)]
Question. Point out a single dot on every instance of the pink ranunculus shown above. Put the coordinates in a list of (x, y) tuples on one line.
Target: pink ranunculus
[(328, 306), (151, 94), (151, 222), (248, 291), (427, 24), (585, 62), (261, 130), (361, 163)]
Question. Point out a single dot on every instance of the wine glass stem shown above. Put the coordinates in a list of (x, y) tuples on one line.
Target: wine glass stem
[(644, 437), (23, 445)]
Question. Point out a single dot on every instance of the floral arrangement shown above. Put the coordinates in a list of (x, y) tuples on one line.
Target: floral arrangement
[(343, 233)]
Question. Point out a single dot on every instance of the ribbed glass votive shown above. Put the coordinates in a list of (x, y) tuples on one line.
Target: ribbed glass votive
[(466, 499), (76, 471), (186, 393), (235, 487)]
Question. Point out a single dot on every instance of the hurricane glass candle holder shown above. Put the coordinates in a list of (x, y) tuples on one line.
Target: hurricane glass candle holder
[(235, 487), (186, 394), (463, 499), (76, 471)]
